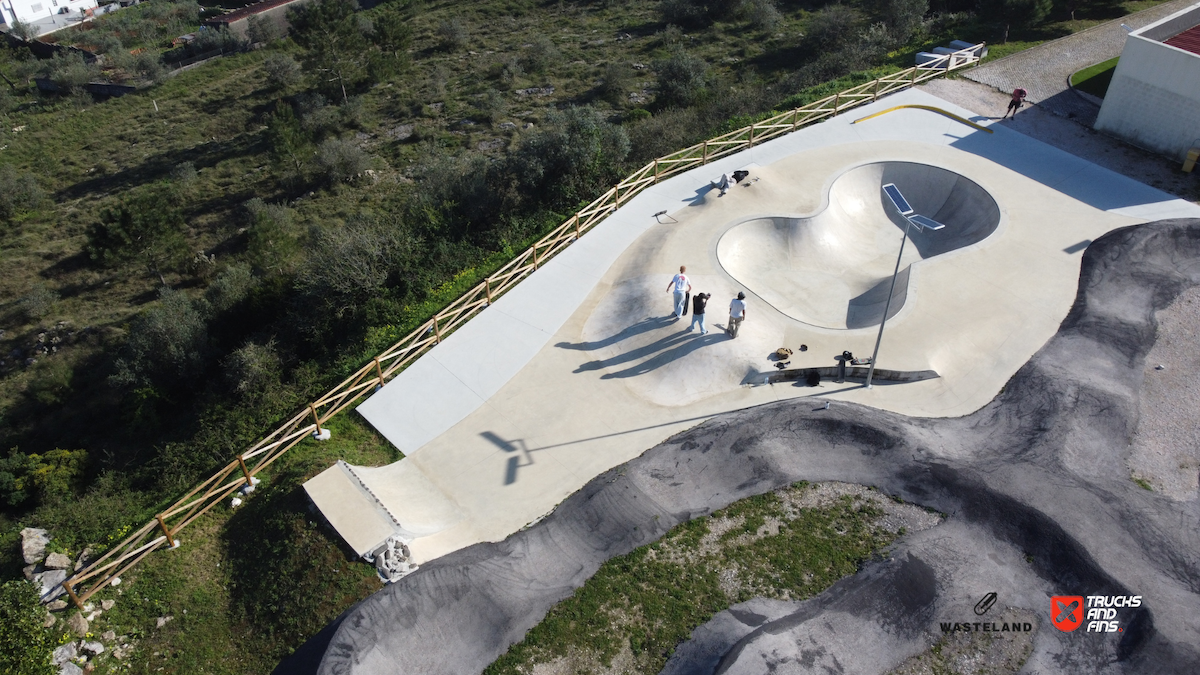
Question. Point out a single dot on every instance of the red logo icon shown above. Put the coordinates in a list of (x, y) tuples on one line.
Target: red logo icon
[(1066, 612)]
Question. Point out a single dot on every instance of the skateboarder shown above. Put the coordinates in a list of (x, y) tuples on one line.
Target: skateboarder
[(737, 314), (698, 303), (680, 286)]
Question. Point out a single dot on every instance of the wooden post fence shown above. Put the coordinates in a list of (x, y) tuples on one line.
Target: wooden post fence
[(241, 471)]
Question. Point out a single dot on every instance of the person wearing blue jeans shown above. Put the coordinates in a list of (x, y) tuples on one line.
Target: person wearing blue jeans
[(699, 300), (681, 286)]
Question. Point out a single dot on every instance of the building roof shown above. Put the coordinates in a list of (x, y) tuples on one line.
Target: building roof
[(1188, 40), (249, 11)]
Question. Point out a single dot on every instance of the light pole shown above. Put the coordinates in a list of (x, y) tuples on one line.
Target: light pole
[(911, 217)]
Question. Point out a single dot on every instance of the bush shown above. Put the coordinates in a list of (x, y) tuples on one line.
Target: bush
[(576, 156), (282, 71), (492, 106), (19, 192), (615, 83), (274, 243), (25, 646), (262, 29), (51, 383), (184, 173), (147, 227), (348, 265), (763, 15), (682, 79), (452, 34), (539, 55), (167, 346), (232, 285), (42, 478), (253, 369), (340, 161), (38, 302), (692, 13), (833, 27)]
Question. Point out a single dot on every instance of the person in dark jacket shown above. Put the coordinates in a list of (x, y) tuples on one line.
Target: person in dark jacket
[(699, 301)]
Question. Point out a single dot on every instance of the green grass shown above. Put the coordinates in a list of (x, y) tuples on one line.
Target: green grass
[(1095, 79), (1143, 483), (638, 607)]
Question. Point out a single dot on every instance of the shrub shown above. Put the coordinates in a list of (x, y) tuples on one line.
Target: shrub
[(577, 155), (763, 15), (262, 29), (539, 55), (231, 286), (348, 265), (273, 240), (691, 13), (253, 369), (147, 227), (38, 302), (19, 191), (492, 106), (452, 34), (906, 18), (615, 83), (167, 346), (45, 477), (340, 161), (51, 382), (25, 646), (184, 173), (682, 79), (282, 71), (832, 27)]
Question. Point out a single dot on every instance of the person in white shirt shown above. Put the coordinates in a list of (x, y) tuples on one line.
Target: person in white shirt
[(681, 286), (722, 184), (737, 313)]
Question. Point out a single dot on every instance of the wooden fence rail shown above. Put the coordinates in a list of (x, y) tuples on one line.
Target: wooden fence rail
[(241, 471)]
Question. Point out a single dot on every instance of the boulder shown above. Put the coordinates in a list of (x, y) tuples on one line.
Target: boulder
[(57, 605), (33, 544), (107, 604), (162, 621), (84, 558), (108, 636), (51, 583), (57, 561), (93, 648), (65, 653), (70, 669), (78, 624), (49, 621)]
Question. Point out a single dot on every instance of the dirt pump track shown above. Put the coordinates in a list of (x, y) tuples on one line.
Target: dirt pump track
[(1035, 484)]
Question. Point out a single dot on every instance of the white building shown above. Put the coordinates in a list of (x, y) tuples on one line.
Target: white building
[(60, 13), (1154, 98)]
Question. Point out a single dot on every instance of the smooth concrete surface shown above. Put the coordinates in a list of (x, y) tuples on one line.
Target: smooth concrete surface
[(835, 269), (1034, 486), (579, 368), (1153, 100)]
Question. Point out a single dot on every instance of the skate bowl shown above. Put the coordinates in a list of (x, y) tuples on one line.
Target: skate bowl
[(834, 269)]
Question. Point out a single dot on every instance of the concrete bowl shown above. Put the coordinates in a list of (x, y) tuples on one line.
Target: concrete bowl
[(834, 269)]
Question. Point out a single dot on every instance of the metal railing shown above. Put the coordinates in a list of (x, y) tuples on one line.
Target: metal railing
[(241, 470)]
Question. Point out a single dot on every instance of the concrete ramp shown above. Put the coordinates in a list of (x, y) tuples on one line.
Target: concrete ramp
[(834, 269)]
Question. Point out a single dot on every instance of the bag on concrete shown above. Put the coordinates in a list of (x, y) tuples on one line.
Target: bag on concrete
[(814, 377), (782, 353)]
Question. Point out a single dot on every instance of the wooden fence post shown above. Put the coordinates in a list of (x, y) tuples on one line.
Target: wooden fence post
[(535, 257), (316, 418), (751, 145), (655, 176), (379, 368), (875, 93), (795, 118), (437, 330), (487, 282), (165, 530), (578, 234), (245, 471), (705, 160), (74, 598), (837, 100), (913, 82)]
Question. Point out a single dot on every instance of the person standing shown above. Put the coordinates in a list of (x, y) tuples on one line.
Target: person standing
[(680, 286), (699, 300), (737, 314), (1018, 98)]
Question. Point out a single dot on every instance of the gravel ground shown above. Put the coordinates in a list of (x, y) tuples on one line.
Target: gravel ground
[(1166, 446), (1044, 70)]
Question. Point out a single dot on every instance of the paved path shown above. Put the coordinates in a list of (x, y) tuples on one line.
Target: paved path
[(1044, 70)]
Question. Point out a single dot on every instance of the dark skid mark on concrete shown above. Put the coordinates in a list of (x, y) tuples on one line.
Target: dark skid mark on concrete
[(1038, 498)]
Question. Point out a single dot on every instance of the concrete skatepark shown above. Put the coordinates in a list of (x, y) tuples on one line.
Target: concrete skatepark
[(580, 370)]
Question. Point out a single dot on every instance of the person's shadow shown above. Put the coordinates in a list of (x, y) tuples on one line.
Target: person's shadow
[(662, 343), (701, 196), (678, 350), (643, 326)]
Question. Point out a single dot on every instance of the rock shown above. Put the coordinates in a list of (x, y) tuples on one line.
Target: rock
[(78, 624), (402, 132), (57, 605), (30, 570), (33, 544), (49, 621), (162, 621), (65, 653), (116, 581), (108, 636), (93, 648), (107, 604), (85, 558), (57, 561), (507, 126), (70, 669), (51, 583)]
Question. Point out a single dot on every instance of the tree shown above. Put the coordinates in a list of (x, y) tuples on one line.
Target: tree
[(19, 191), (1027, 13), (575, 157), (336, 49), (290, 145), (167, 345), (25, 646), (682, 79), (147, 227), (282, 71)]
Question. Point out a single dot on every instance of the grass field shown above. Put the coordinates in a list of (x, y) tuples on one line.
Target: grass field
[(1095, 79)]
